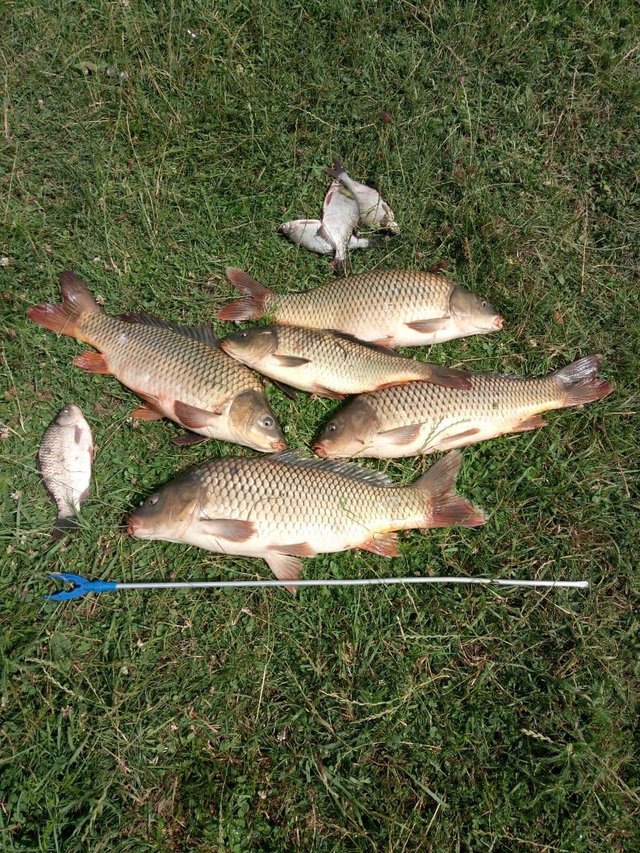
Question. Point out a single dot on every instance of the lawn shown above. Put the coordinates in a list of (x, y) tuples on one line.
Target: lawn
[(148, 146)]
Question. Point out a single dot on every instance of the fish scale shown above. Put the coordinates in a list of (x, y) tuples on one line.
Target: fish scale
[(190, 369), (489, 396), (282, 498), (334, 304)]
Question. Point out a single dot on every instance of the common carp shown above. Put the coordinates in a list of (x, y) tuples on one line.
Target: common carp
[(422, 418), (179, 371), (390, 307), (284, 507), (330, 364)]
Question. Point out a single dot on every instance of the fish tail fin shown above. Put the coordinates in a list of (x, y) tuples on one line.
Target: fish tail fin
[(255, 304), (62, 525), (66, 317), (447, 376), (336, 171), (445, 508), (579, 383), (341, 266)]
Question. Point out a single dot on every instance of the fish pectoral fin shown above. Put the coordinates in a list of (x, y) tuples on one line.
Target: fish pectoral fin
[(146, 412), (295, 549), (534, 422), (323, 391), (286, 389), (188, 439), (192, 416), (387, 343), (231, 529), (284, 567), (458, 439), (385, 544), (289, 360), (92, 362), (401, 435), (324, 234), (429, 327)]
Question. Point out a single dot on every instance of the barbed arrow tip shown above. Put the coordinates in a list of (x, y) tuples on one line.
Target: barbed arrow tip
[(79, 586)]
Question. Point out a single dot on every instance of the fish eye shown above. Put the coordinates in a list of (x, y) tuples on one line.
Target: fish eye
[(267, 422), (153, 500), (484, 303), (332, 427), (243, 334)]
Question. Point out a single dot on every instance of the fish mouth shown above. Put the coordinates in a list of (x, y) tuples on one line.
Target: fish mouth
[(498, 323), (133, 527), (279, 446), (319, 449)]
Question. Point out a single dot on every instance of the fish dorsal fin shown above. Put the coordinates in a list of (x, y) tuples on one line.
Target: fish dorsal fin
[(203, 334), (348, 470)]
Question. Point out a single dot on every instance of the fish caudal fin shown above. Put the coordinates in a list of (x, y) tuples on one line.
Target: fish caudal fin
[(65, 318), (446, 509), (336, 171), (340, 266), (251, 308), (62, 525), (579, 382), (447, 376)]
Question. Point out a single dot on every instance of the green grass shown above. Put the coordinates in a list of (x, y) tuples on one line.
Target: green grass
[(396, 720)]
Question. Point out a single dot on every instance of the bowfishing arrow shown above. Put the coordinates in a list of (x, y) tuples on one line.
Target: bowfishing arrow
[(81, 586)]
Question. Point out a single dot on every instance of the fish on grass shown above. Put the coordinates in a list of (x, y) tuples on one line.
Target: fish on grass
[(285, 506), (373, 209), (393, 308), (179, 371), (340, 216), (304, 232), (65, 458), (330, 364), (421, 418)]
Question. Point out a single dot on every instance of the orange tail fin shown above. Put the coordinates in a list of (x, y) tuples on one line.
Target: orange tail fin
[(579, 382), (251, 308), (65, 318), (447, 509)]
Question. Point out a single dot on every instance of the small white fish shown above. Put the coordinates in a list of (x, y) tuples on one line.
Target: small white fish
[(374, 211), (304, 232), (65, 458), (340, 216)]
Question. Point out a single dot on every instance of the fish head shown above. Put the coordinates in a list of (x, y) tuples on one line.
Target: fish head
[(168, 513), (250, 346), (349, 433), (472, 314), (291, 229), (254, 424), (71, 415)]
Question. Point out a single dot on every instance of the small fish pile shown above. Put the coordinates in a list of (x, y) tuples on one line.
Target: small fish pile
[(347, 205)]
